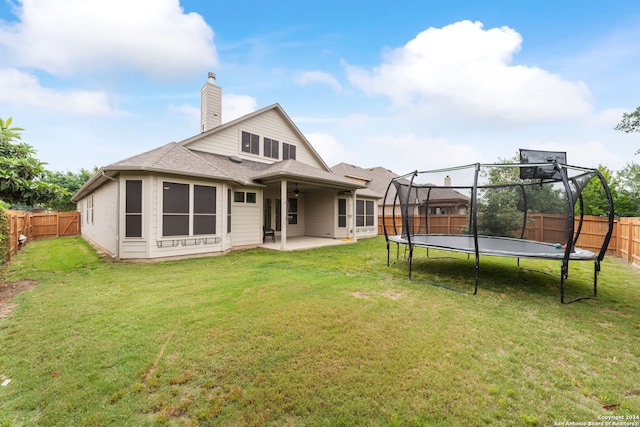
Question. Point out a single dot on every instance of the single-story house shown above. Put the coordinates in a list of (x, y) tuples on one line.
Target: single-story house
[(231, 186)]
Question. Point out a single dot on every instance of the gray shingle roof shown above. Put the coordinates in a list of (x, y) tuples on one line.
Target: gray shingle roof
[(172, 158), (297, 169)]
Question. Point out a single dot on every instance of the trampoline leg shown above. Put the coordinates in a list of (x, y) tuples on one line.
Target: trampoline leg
[(596, 270), (388, 255), (410, 260), (565, 274), (477, 279)]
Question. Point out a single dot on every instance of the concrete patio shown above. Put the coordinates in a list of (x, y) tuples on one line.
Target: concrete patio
[(303, 242)]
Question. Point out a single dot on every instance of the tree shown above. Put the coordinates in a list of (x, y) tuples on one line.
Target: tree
[(630, 123), (71, 182), (594, 197), (501, 209), (498, 213), (627, 202), (21, 174)]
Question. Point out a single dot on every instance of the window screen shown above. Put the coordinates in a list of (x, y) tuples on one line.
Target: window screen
[(288, 151), (271, 148), (250, 143), (175, 209), (133, 208), (342, 213), (204, 209), (359, 213)]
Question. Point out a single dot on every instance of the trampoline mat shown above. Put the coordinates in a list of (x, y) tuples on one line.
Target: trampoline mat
[(496, 246)]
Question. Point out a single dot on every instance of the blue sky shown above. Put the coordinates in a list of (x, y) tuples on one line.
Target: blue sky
[(406, 84)]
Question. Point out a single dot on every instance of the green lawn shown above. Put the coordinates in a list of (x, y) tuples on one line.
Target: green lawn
[(329, 336)]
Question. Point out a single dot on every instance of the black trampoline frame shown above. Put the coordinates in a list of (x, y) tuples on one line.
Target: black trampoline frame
[(559, 173)]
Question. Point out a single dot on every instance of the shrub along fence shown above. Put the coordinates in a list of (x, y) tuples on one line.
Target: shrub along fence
[(625, 240), (36, 226)]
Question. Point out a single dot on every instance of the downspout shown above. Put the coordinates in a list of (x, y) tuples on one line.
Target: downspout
[(117, 181)]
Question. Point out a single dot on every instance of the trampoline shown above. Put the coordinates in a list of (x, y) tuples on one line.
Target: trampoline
[(413, 209)]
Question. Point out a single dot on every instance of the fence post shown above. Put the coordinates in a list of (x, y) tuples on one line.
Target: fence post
[(617, 227), (631, 246)]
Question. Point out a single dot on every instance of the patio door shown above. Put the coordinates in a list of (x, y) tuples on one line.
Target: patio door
[(267, 213), (271, 208), (278, 215)]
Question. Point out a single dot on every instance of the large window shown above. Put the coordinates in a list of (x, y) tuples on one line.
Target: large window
[(250, 143), (342, 213), (271, 148), (204, 209), (364, 213), (185, 213), (133, 208), (288, 151)]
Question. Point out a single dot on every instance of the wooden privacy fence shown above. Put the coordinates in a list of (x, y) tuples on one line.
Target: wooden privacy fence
[(36, 226), (628, 239), (625, 240)]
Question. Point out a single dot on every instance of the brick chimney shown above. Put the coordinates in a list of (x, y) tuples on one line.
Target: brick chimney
[(210, 104), (447, 181)]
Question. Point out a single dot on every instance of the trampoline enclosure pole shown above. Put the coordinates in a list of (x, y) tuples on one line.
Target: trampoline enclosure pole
[(474, 217)]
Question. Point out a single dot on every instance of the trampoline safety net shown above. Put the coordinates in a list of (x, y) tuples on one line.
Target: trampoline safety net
[(538, 199)]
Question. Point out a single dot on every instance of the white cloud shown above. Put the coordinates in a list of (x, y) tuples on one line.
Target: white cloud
[(234, 106), (20, 89), (317, 77), (425, 153), (331, 151), (464, 69), (65, 37)]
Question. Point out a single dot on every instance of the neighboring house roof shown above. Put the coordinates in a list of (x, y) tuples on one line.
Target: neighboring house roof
[(442, 194), (375, 179), (378, 177)]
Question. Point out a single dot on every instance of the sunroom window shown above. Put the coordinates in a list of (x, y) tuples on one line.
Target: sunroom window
[(187, 211), (364, 213), (133, 208)]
